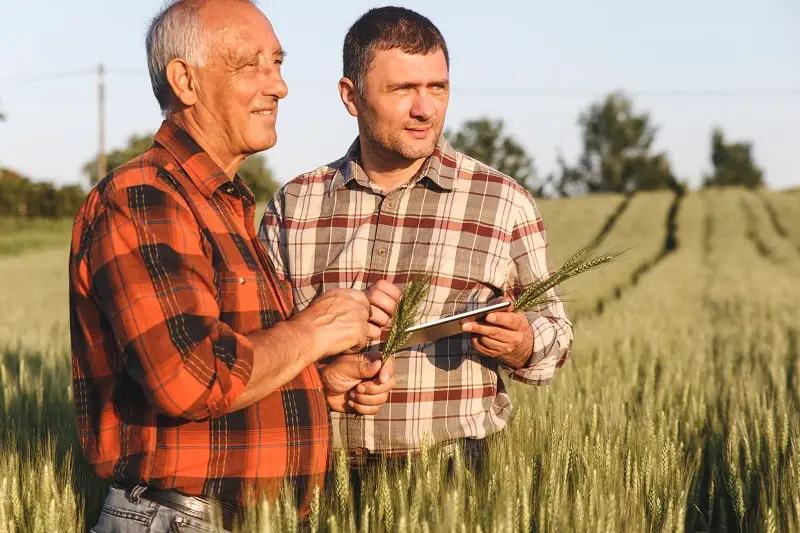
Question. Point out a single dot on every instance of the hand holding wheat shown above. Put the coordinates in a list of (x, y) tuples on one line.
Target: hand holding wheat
[(416, 290), (580, 262), (414, 293)]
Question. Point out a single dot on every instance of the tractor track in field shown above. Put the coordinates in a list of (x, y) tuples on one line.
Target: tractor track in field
[(752, 234), (612, 220), (670, 244), (775, 220), (708, 231)]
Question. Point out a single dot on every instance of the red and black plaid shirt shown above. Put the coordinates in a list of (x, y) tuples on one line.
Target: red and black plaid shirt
[(166, 279)]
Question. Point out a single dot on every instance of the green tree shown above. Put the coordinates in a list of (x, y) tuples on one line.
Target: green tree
[(258, 176), (254, 171), (484, 139), (13, 189), (733, 164), (22, 197), (617, 152)]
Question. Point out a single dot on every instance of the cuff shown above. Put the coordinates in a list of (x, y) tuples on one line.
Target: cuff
[(233, 357), (549, 351)]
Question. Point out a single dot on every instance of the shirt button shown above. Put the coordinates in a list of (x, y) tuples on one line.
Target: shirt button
[(359, 452), (390, 205), (179, 520), (382, 252), (241, 281)]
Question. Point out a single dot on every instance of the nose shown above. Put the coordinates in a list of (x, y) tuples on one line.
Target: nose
[(276, 85), (424, 105)]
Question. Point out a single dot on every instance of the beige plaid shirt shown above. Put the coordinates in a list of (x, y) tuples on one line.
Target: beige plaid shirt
[(476, 229)]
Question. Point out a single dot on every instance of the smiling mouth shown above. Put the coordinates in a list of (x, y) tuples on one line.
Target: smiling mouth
[(418, 133), (265, 112)]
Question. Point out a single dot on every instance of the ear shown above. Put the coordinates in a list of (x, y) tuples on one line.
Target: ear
[(182, 82), (349, 95)]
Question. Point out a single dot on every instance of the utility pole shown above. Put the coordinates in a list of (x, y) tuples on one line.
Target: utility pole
[(2, 170), (101, 113)]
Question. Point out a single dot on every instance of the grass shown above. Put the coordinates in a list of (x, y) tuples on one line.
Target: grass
[(679, 410), (18, 235)]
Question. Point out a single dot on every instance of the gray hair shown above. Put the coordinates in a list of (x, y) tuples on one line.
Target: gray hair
[(176, 32)]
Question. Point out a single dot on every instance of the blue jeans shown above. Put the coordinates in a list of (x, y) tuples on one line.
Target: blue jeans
[(122, 515)]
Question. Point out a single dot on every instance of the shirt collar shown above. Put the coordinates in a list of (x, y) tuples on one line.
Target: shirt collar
[(195, 161), (439, 168)]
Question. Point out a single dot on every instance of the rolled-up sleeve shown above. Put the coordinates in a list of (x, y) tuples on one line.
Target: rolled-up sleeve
[(552, 329), (156, 289)]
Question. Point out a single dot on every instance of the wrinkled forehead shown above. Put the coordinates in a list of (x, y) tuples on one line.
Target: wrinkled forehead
[(239, 31)]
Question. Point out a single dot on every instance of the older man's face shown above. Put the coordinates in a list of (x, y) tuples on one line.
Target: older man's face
[(241, 83)]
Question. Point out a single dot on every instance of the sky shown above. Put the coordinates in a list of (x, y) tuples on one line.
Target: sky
[(692, 65)]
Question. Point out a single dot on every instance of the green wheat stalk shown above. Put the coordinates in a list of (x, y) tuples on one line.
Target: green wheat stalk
[(414, 293), (579, 263)]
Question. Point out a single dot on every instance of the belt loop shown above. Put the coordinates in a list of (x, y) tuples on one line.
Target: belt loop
[(136, 492)]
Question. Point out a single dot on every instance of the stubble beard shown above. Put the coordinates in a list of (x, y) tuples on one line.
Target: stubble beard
[(389, 146)]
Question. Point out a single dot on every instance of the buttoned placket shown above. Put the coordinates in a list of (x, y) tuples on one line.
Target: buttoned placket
[(387, 208), (377, 264)]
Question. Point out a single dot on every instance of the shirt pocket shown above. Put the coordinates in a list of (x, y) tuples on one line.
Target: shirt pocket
[(243, 300), (467, 266)]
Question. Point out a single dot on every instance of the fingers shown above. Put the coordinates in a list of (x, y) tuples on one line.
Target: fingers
[(507, 320), (374, 386), (481, 348), (368, 399), (389, 289), (498, 323), (364, 409), (486, 330), (373, 332), (494, 340), (379, 317), (384, 298), (491, 345), (357, 296)]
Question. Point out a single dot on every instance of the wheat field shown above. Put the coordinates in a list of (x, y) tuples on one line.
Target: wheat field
[(678, 411)]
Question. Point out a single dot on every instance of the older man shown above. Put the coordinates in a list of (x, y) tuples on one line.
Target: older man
[(194, 382), (402, 201)]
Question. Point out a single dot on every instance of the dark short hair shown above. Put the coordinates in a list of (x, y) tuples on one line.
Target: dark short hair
[(385, 28)]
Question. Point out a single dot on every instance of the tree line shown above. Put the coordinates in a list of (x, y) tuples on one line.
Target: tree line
[(617, 156), (22, 197)]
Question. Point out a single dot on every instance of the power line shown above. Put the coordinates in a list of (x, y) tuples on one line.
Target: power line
[(507, 91), (544, 92), (46, 76)]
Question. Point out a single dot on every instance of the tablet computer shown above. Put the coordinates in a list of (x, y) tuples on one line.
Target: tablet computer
[(447, 326)]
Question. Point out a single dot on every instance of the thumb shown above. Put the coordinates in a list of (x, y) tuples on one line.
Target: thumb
[(386, 370), (366, 368)]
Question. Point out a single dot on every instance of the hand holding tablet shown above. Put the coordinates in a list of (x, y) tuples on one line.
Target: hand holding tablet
[(448, 326)]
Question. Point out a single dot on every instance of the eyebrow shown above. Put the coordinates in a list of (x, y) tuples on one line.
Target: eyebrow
[(240, 61), (409, 85)]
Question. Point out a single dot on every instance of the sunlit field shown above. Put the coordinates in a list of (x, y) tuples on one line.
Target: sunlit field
[(679, 409)]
